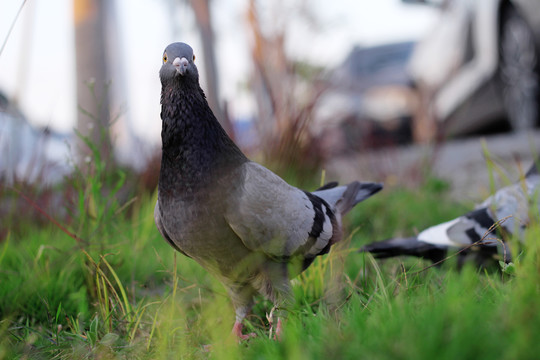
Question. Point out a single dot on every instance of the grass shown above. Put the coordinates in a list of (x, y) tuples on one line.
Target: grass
[(107, 286)]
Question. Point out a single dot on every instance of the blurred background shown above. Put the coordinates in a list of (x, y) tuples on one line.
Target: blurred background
[(298, 84)]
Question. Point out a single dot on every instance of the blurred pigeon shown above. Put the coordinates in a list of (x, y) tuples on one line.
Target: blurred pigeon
[(237, 219), (509, 207)]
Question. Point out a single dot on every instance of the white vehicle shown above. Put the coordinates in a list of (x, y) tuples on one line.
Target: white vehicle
[(480, 65)]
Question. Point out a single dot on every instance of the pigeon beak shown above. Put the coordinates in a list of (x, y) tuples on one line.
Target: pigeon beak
[(181, 65)]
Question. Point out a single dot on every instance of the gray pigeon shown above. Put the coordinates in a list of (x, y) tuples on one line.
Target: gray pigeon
[(510, 207), (237, 219)]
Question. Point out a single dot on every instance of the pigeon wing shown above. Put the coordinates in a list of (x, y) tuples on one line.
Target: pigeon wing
[(276, 218), (511, 204)]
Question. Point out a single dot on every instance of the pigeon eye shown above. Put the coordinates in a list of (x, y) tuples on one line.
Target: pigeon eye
[(164, 58), (193, 57)]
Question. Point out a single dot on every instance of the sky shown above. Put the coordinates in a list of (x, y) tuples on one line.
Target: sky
[(37, 67)]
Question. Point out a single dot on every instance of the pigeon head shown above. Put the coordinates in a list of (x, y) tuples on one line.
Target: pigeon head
[(178, 63)]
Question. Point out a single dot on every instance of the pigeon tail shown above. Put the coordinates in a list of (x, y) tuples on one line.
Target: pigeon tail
[(355, 193), (330, 185), (345, 197), (405, 246)]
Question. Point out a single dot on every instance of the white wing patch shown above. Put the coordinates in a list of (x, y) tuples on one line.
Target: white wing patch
[(438, 234)]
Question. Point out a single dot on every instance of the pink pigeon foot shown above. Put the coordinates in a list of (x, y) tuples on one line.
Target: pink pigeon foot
[(237, 331)]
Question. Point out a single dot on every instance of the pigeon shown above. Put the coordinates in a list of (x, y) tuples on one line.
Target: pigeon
[(507, 211), (237, 219)]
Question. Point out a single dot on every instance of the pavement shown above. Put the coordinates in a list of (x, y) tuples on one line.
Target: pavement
[(461, 162)]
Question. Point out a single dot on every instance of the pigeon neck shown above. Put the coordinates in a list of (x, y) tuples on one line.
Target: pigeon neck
[(195, 146)]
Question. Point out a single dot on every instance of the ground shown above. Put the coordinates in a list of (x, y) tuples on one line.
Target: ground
[(462, 162)]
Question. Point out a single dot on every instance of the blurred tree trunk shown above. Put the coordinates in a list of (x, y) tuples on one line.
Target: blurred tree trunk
[(201, 8), (93, 117)]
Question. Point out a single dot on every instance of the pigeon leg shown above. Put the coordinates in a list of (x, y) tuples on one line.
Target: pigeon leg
[(279, 291), (242, 299)]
